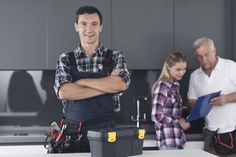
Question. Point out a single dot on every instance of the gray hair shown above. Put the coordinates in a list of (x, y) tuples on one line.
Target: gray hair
[(199, 42)]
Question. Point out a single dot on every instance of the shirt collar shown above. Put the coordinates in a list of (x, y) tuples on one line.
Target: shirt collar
[(172, 82), (99, 50), (175, 82), (219, 64)]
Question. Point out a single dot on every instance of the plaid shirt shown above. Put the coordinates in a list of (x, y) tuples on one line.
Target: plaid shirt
[(166, 112), (86, 63)]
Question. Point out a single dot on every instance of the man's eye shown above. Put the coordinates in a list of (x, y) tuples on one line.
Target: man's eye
[(199, 57), (83, 24), (95, 24)]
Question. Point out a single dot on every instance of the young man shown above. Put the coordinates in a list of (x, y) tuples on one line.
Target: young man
[(215, 74), (89, 79)]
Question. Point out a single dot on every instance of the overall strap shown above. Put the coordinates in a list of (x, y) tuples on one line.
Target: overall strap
[(108, 63), (72, 62)]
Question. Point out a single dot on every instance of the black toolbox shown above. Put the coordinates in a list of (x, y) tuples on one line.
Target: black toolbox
[(118, 142)]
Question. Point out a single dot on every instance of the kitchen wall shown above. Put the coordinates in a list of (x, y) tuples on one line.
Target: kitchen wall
[(33, 33)]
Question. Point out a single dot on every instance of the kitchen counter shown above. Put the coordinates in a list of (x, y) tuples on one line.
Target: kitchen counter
[(14, 135), (17, 139), (169, 153)]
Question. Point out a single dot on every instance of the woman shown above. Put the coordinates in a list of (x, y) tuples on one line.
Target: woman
[(167, 104)]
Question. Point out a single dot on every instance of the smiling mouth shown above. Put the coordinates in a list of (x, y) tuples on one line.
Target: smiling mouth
[(89, 36)]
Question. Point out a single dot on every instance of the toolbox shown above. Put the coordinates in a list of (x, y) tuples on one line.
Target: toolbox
[(118, 142)]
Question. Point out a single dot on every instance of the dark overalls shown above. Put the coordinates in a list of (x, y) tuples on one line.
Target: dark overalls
[(91, 113)]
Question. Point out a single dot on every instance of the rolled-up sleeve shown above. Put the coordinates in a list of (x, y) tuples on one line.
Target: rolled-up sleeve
[(62, 74), (121, 63)]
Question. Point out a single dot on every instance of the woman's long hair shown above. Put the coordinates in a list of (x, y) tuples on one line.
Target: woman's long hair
[(171, 60)]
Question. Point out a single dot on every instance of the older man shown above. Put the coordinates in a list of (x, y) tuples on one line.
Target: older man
[(214, 74)]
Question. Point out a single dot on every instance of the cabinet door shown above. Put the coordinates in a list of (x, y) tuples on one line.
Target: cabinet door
[(143, 30), (195, 19), (61, 33), (234, 29), (23, 34)]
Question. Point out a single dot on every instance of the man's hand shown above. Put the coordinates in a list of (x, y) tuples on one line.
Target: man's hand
[(218, 101), (116, 71)]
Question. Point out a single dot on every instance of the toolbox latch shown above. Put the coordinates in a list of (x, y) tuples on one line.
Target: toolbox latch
[(111, 136), (141, 134)]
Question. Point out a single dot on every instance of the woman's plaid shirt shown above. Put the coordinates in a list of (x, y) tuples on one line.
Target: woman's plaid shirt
[(166, 112)]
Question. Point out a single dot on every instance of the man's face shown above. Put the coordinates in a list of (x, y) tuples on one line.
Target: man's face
[(206, 56), (89, 28)]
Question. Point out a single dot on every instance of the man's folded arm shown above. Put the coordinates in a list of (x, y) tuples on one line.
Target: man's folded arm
[(109, 84), (73, 91)]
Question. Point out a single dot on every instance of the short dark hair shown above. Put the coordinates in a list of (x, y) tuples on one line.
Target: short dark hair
[(88, 10)]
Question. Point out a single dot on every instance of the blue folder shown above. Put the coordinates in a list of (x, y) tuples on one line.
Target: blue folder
[(202, 106)]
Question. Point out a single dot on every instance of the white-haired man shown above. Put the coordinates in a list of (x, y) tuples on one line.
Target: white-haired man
[(214, 74)]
